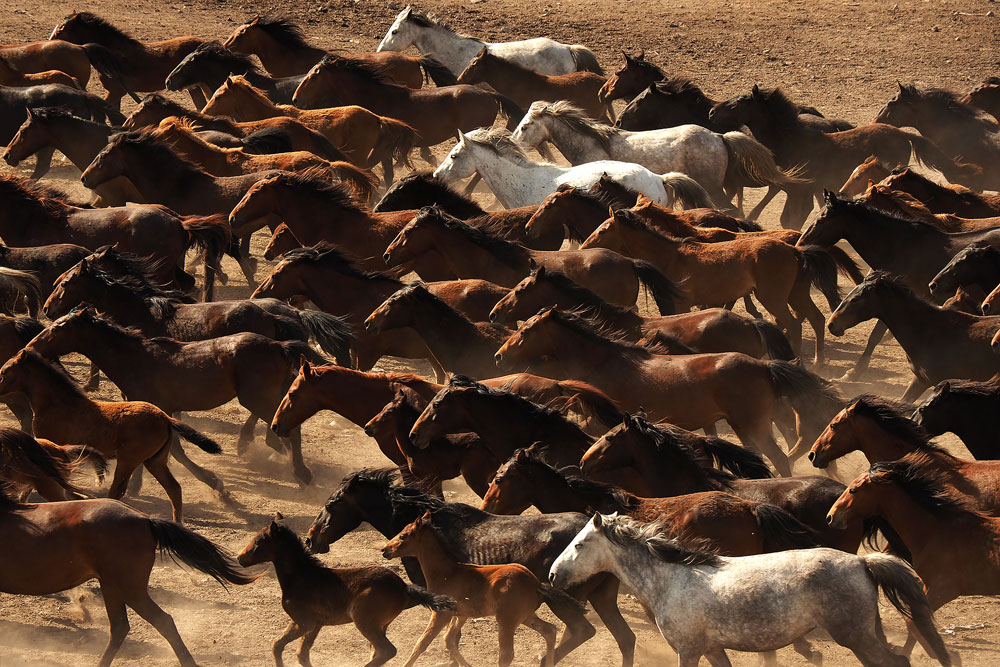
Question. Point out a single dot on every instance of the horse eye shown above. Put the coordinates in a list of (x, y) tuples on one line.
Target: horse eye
[(851, 490)]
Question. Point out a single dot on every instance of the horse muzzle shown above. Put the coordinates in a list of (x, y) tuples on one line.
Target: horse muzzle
[(815, 459), (10, 159)]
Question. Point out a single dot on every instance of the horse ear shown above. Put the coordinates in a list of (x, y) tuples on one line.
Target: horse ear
[(278, 517), (627, 57), (642, 54), (482, 52), (31, 112), (755, 91), (598, 520), (642, 413), (532, 264), (828, 198), (643, 200), (305, 367), (611, 211), (945, 387), (426, 518), (408, 11), (461, 137), (521, 455), (902, 88), (540, 271)]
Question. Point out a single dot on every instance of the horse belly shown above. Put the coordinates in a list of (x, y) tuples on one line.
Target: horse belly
[(542, 55)]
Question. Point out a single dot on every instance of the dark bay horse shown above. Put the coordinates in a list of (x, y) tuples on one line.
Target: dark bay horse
[(52, 547), (45, 262), (985, 96), (533, 541), (954, 199), (977, 264), (966, 408), (211, 64), (187, 376)]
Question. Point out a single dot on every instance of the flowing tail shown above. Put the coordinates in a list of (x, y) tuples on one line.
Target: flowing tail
[(195, 551), (556, 596), (665, 292), (438, 73), (420, 596), (17, 285), (820, 267), (509, 109), (294, 350), (110, 68), (755, 162), (904, 590), (781, 530), (928, 153), (202, 441), (684, 189), (585, 60), (334, 334), (592, 402), (76, 455), (362, 182), (740, 461), (774, 340), (396, 140), (29, 458), (212, 234), (809, 394)]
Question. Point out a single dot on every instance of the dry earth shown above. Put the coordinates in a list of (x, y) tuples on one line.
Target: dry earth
[(843, 57)]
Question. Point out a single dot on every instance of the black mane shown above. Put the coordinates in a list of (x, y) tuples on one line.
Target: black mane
[(239, 63), (364, 70), (282, 30), (331, 256), (103, 27), (893, 417), (508, 252), (925, 483), (311, 183)]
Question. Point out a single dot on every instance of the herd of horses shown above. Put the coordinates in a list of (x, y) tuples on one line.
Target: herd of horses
[(606, 419)]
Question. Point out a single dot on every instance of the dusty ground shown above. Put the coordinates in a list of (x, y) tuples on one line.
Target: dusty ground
[(843, 57)]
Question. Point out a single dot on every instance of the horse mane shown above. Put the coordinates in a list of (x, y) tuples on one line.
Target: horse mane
[(174, 109), (617, 499), (926, 484), (161, 303), (141, 270), (867, 208), (160, 154), (985, 389), (430, 20), (626, 531), (232, 59), (366, 71), (948, 101), (405, 379), (590, 301), (649, 67), (437, 189), (309, 182), (681, 86), (282, 533), (241, 82), (614, 193), (508, 252), (26, 328), (25, 194), (629, 218), (385, 479), (55, 372), (596, 331), (103, 27), (186, 127), (423, 296), (108, 326), (331, 256), (58, 113), (781, 111), (676, 443), (575, 120), (498, 140), (282, 30), (892, 417)]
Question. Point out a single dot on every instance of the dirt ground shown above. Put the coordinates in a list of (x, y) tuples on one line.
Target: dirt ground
[(843, 57)]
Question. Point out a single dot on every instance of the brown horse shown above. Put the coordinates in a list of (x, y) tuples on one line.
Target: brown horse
[(882, 431), (46, 262), (12, 77), (869, 171), (692, 391), (282, 241), (707, 330), (727, 524), (954, 199), (712, 274), (902, 204), (139, 66), (52, 54), (284, 51), (30, 464), (53, 547), (525, 86), (472, 253), (435, 113), (509, 592), (459, 344), (967, 409), (985, 96), (132, 432), (315, 596), (951, 545), (186, 376)]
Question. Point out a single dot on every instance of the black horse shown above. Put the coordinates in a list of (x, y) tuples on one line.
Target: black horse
[(969, 409)]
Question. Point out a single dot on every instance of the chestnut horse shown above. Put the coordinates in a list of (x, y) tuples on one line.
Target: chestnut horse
[(134, 433), (45, 55), (52, 547), (34, 465), (692, 391), (985, 96), (939, 198), (895, 202), (966, 408)]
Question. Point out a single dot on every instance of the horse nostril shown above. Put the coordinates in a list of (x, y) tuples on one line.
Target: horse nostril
[(812, 456), (497, 358), (386, 257), (829, 519), (986, 308)]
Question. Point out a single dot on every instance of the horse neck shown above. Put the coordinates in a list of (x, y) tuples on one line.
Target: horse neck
[(44, 393), (115, 353), (291, 562), (273, 53), (552, 494), (634, 567), (439, 40), (124, 305), (446, 332), (508, 180), (468, 259), (355, 395), (212, 157), (365, 293), (649, 458), (437, 566), (80, 140), (916, 526), (576, 146), (312, 219), (878, 238), (909, 317), (160, 187), (581, 357), (877, 444)]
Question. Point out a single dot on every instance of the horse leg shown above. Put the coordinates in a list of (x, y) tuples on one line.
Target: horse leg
[(43, 161), (93, 379), (118, 620), (158, 468), (749, 306), (801, 300), (299, 468), (759, 437), (604, 599), (426, 156), (306, 646), (248, 264), (21, 409), (798, 205), (197, 97), (772, 192), (778, 307), (805, 649), (505, 636), (123, 471), (203, 475), (867, 646), (387, 172), (246, 434), (913, 390), (451, 641), (434, 627), (873, 339), (784, 418), (382, 649), (292, 632), (164, 624), (549, 633), (718, 658)]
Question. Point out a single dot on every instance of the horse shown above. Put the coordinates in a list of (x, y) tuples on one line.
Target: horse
[(469, 252), (985, 96), (183, 376), (12, 77), (707, 330), (977, 264), (712, 274), (46, 263), (281, 242), (435, 113), (41, 466), (369, 597), (517, 181), (775, 122), (751, 603), (526, 86), (15, 333), (882, 430), (431, 36), (284, 51), (705, 156), (211, 64), (47, 55), (954, 199), (951, 545), (52, 547), (456, 342), (138, 66), (939, 343), (134, 433), (372, 496), (965, 408), (510, 592), (692, 391), (962, 130), (896, 202)]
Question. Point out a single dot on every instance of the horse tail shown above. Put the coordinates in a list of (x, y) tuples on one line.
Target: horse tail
[(334, 334), (15, 283), (438, 73), (110, 68), (415, 595), (747, 226), (195, 551), (509, 109), (585, 59), (593, 402), (804, 390), (267, 141), (213, 234), (660, 342), (556, 596), (774, 340), (27, 456), (740, 461), (847, 266), (905, 591), (755, 162), (664, 290), (323, 147), (397, 139), (781, 530), (684, 189), (294, 350), (820, 268), (203, 442), (361, 181), (930, 154)]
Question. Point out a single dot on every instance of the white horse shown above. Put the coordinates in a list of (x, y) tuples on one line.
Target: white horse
[(702, 154), (517, 181), (455, 50), (704, 604)]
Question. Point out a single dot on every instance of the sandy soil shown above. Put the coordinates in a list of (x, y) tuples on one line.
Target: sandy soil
[(843, 57)]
